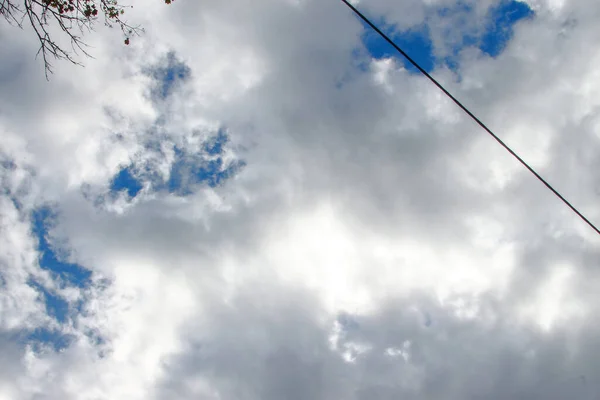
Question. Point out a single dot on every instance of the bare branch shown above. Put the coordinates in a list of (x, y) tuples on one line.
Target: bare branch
[(9, 11), (74, 18)]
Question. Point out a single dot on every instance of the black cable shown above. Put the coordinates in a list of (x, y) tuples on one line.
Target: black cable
[(436, 83)]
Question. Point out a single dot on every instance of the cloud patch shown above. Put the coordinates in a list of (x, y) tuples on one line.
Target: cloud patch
[(241, 204)]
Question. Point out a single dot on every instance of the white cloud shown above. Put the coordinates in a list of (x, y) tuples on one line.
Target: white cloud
[(376, 245)]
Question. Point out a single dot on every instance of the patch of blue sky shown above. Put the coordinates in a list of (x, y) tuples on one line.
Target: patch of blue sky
[(65, 274), (417, 42), (125, 180), (50, 260), (45, 337), (56, 306), (502, 19), (188, 171), (8, 165), (169, 75), (215, 145)]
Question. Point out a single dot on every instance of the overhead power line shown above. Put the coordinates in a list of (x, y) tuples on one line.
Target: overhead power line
[(466, 110)]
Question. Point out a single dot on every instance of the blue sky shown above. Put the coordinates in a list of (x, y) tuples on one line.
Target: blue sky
[(188, 171), (416, 42), (63, 273)]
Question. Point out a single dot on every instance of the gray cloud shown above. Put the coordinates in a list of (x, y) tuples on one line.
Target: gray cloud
[(377, 245)]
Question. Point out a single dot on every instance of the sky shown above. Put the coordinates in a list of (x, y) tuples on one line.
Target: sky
[(262, 200)]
